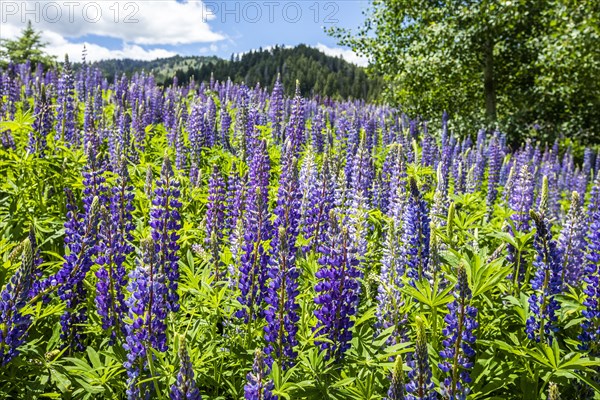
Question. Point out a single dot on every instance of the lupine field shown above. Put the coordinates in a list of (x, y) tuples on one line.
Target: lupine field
[(211, 240)]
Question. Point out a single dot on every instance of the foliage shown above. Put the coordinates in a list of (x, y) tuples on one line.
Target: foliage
[(516, 64), (380, 187)]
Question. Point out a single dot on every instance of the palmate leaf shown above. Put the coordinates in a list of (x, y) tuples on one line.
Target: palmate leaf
[(22, 122), (283, 381), (426, 294), (484, 274)]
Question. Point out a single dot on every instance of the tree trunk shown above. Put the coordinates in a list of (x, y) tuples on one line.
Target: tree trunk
[(489, 85)]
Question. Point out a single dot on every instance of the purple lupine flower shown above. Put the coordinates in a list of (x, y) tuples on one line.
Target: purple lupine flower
[(547, 283), (196, 134), (588, 161), (42, 124), (13, 323), (236, 198), (66, 117), (225, 126), (359, 199), (185, 388), (317, 126), (550, 169), (94, 181), (282, 310), (352, 142), (320, 202), (259, 387), (389, 299), (494, 165), (594, 203), (308, 181), (590, 335), (429, 149), (457, 168), (396, 390), (81, 241), (387, 171), (440, 200), (397, 186), (139, 121), (458, 352), (114, 246), (215, 219), (210, 122), (361, 176), (165, 222), (572, 242), (179, 146), (377, 192), (520, 200), (338, 290), (295, 126), (420, 386), (147, 313), (169, 111), (88, 124), (254, 260), (276, 108), (416, 235), (446, 156), (251, 136)]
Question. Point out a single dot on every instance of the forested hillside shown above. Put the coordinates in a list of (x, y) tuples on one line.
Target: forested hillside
[(318, 73)]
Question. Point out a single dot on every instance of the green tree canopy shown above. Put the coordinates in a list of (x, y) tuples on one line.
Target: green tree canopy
[(512, 63), (28, 46)]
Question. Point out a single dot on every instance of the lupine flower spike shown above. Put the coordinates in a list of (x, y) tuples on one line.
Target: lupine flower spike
[(13, 323), (81, 240), (590, 335), (337, 291), (185, 388), (458, 352), (415, 235), (165, 222), (254, 259), (114, 247), (396, 390), (147, 314), (215, 220), (419, 385), (547, 283), (282, 310), (259, 386), (553, 393), (572, 242)]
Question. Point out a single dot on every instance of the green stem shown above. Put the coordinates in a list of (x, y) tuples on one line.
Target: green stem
[(154, 382)]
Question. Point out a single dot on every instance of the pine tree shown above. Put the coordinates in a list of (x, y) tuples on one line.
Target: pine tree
[(27, 47)]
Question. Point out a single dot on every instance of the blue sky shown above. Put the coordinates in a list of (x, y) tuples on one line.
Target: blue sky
[(161, 28)]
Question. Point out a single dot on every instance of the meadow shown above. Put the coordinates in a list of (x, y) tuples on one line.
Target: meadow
[(217, 241)]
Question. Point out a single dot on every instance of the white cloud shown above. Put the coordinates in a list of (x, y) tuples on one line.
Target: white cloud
[(213, 48), (346, 54), (59, 46), (155, 22)]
